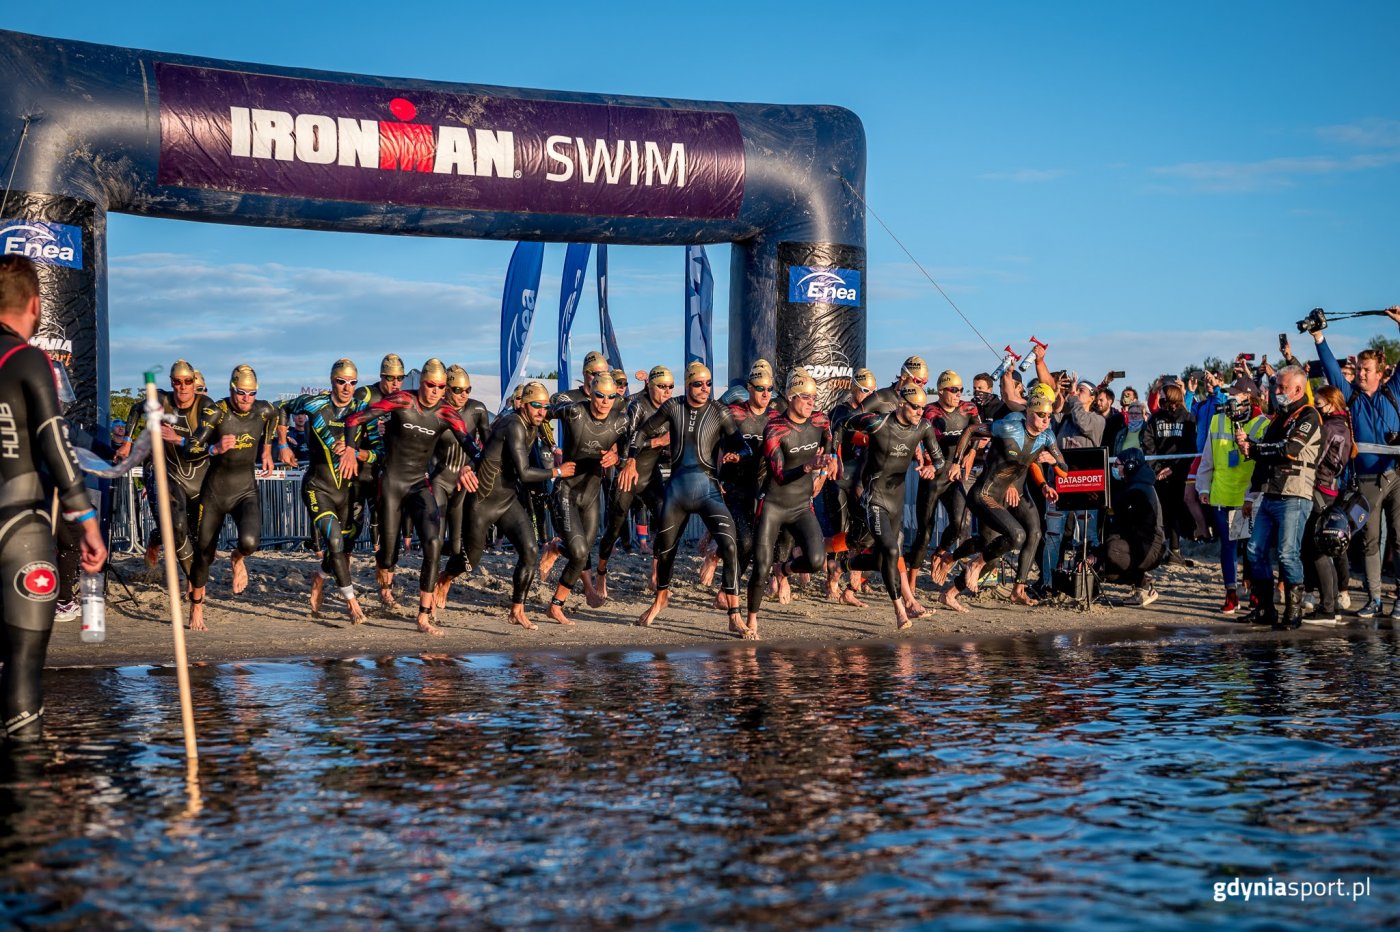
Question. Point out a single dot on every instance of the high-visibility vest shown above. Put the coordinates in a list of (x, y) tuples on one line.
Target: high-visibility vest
[(1229, 484)]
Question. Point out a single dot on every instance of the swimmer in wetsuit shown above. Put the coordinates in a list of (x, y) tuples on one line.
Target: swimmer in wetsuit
[(890, 447), (391, 376), (914, 371), (649, 487), (328, 495), (502, 468), (950, 416), (795, 446), (594, 365), (453, 501), (413, 423), (185, 463), (698, 426), (741, 482), (35, 458), (590, 440), (841, 502), (1008, 519), (238, 431)]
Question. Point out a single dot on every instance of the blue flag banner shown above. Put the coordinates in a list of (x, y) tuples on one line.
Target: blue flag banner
[(606, 334), (570, 291), (699, 307), (518, 312)]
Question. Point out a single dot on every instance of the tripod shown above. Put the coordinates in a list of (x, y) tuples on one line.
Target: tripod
[(1088, 584)]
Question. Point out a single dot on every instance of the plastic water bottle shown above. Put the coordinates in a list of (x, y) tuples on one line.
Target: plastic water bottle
[(94, 608)]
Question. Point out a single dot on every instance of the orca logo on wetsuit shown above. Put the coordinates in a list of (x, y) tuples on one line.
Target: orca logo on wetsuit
[(422, 430), (809, 446), (37, 581)]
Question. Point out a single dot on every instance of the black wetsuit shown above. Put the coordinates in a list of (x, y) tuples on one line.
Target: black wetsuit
[(741, 482), (502, 469), (365, 490), (890, 446), (448, 460), (696, 435), (948, 426), (881, 401), (648, 487), (838, 496), (1002, 529), (34, 458), (231, 485), (577, 498), (787, 498), (329, 498), (185, 466), (411, 431)]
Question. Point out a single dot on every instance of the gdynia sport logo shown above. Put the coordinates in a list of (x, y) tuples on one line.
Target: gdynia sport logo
[(821, 285), (47, 243)]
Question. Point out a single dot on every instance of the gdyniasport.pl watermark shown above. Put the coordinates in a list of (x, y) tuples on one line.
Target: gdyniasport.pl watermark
[(1238, 889)]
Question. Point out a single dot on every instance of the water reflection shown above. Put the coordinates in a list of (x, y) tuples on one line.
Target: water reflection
[(1025, 781)]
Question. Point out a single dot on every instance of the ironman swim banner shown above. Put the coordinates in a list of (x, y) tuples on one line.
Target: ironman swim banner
[(265, 134)]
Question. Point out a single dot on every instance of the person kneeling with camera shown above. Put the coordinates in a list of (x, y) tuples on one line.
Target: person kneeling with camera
[(1285, 471), (1135, 541)]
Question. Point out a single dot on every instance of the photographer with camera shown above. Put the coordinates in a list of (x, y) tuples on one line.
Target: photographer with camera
[(1285, 472), (1375, 419), (1325, 555), (1223, 476)]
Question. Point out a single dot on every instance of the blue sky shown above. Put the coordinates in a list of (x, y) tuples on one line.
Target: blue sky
[(1140, 185)]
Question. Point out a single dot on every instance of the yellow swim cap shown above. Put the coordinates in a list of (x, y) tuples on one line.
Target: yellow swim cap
[(244, 378), (391, 365), (1041, 399)]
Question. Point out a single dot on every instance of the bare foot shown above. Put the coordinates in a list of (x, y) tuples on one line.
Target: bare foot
[(597, 597), (240, 572), (707, 569), (833, 587), (556, 613), (901, 617), (441, 589), (547, 558), (385, 578), (1019, 596), (425, 622), (972, 573), (654, 609), (784, 591), (719, 602), (152, 556), (357, 614), (950, 599), (913, 607), (940, 568), (318, 593), (849, 597), (517, 617), (197, 615)]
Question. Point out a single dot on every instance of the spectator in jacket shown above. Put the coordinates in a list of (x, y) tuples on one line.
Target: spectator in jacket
[(1330, 572), (1286, 473), (1223, 476), (1173, 432), (1373, 403)]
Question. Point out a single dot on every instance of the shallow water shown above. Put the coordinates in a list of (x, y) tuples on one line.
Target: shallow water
[(1037, 782)]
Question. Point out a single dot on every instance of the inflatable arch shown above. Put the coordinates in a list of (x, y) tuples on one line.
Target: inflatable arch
[(90, 129)]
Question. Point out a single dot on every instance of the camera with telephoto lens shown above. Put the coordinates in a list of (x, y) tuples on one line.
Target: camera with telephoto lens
[(1315, 321)]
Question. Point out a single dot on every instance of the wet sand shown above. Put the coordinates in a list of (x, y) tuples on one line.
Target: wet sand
[(271, 619)]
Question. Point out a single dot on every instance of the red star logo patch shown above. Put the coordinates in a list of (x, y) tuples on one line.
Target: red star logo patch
[(37, 580)]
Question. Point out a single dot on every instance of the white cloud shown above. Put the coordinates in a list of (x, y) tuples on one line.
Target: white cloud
[(1224, 176), (1025, 175), (1369, 133)]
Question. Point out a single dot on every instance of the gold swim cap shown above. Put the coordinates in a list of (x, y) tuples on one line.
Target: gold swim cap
[(801, 383), (433, 371), (915, 368), (534, 391), (913, 394), (391, 365), (866, 379), (595, 362), (344, 369), (660, 374), (604, 382), (457, 377), (1041, 399), (181, 370), (949, 379), (199, 385), (620, 377), (244, 378), (697, 371), (761, 374)]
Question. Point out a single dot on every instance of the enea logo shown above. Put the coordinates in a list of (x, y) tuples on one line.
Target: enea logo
[(814, 285), (46, 243)]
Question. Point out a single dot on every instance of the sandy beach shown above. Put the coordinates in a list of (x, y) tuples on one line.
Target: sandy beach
[(271, 618)]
